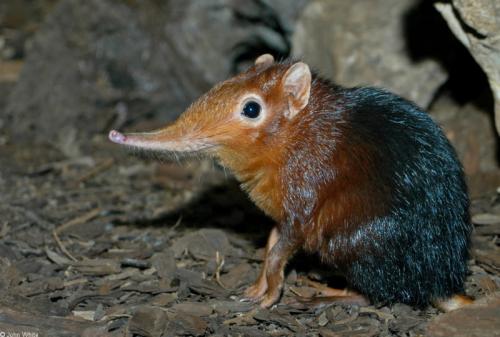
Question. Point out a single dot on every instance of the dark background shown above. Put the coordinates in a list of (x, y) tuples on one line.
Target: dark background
[(73, 69)]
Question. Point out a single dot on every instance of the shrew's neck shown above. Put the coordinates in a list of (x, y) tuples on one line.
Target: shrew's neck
[(259, 176)]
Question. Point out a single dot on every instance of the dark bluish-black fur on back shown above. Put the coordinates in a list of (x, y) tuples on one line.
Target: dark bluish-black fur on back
[(418, 251)]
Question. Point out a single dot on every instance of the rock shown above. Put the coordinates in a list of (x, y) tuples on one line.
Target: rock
[(165, 265), (193, 308), (183, 324), (9, 274), (479, 319), (486, 219), (148, 321), (196, 284), (476, 23), (471, 132), (224, 307), (364, 42), (203, 244), (100, 63), (406, 318), (239, 275), (279, 317), (163, 300)]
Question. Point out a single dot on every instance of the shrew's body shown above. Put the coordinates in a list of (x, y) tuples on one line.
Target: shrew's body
[(359, 175)]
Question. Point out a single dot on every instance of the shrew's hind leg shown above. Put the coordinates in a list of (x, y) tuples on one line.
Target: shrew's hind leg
[(323, 301), (326, 295), (453, 303)]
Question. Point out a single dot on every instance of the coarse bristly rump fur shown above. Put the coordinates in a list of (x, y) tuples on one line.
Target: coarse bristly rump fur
[(359, 175)]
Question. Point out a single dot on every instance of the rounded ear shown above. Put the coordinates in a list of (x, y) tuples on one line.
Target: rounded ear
[(264, 59), (297, 87)]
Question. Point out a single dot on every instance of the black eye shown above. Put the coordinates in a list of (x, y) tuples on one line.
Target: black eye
[(251, 109)]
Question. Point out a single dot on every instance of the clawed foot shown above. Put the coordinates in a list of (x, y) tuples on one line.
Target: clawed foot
[(261, 294), (270, 298), (254, 293)]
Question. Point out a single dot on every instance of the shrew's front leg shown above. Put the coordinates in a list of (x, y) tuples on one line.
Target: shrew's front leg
[(275, 270), (256, 291), (267, 289)]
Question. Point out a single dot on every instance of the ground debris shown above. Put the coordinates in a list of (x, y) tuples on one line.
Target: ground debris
[(98, 267), (148, 322), (281, 318), (203, 244), (195, 308), (166, 262)]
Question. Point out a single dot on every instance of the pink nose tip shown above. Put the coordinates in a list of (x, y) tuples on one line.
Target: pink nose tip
[(116, 137)]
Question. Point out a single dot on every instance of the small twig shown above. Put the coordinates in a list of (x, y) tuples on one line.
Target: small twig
[(75, 282), (62, 247), (220, 263), (115, 316), (174, 227), (102, 166), (78, 220)]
